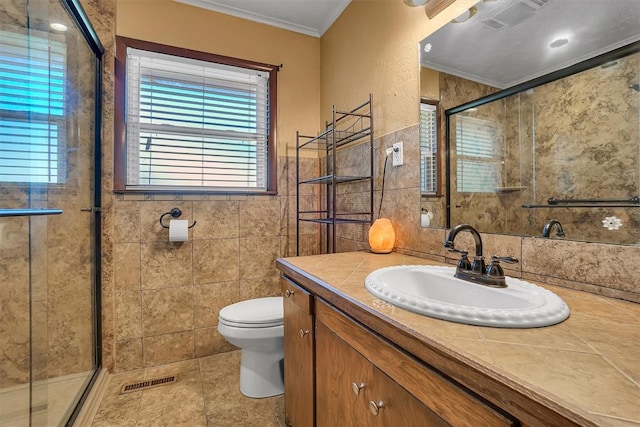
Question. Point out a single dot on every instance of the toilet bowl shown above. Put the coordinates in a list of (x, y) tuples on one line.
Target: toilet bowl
[(256, 326)]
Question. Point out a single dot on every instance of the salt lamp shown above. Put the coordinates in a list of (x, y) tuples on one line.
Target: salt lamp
[(381, 236)]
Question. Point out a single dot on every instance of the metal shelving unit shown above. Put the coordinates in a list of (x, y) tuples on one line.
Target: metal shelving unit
[(346, 129)]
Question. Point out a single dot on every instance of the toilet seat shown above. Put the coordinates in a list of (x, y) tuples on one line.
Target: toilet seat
[(255, 313), (249, 325)]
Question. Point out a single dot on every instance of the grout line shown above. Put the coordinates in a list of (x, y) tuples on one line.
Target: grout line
[(593, 353), (204, 400), (613, 417), (622, 372)]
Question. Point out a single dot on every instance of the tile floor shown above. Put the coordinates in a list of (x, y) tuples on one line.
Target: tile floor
[(207, 394)]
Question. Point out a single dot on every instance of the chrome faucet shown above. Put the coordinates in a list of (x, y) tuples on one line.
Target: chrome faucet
[(548, 226), (477, 272)]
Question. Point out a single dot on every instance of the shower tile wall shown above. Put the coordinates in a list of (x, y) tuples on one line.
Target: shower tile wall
[(602, 131), (14, 317), (60, 285), (14, 261), (474, 208)]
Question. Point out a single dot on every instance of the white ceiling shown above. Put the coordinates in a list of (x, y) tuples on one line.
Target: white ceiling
[(311, 17), (520, 50)]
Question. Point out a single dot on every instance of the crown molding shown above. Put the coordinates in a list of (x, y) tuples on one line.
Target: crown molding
[(256, 17)]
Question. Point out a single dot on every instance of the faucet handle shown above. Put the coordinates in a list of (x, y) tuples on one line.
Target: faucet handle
[(507, 259), (449, 245)]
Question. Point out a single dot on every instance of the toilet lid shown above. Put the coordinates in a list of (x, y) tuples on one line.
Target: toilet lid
[(259, 312)]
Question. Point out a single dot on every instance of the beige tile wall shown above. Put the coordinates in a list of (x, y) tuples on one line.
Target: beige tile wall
[(167, 295)]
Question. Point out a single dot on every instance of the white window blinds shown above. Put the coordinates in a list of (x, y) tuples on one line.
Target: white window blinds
[(32, 107), (428, 149), (193, 123), (477, 163)]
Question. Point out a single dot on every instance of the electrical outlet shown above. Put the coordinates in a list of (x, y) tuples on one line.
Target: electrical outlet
[(398, 157)]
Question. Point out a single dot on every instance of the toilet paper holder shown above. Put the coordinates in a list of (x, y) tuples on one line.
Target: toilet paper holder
[(175, 213)]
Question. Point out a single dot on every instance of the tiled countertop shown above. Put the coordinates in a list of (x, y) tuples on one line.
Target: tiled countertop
[(587, 366)]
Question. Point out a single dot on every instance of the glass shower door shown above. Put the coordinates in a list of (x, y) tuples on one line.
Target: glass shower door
[(48, 215)]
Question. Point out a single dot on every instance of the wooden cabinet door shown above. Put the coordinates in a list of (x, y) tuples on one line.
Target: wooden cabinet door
[(351, 392), (393, 406), (299, 385), (342, 381)]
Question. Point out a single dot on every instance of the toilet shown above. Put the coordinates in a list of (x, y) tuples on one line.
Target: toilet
[(256, 326)]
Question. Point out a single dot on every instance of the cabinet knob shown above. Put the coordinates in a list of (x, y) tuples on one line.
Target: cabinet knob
[(288, 293), (303, 333), (375, 407), (357, 387)]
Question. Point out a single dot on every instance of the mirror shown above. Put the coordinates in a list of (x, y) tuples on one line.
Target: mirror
[(532, 139)]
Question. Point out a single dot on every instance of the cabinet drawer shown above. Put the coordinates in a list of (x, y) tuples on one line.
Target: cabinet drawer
[(296, 294), (451, 402)]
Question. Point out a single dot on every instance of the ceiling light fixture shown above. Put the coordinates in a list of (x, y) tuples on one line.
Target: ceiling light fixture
[(558, 43), (431, 7), (57, 26), (465, 16), (415, 3)]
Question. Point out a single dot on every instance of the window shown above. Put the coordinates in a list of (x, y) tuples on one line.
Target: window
[(428, 148), (32, 107), (195, 121), (477, 163)]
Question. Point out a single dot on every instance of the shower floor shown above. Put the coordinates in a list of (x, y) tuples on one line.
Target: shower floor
[(51, 401), (206, 394)]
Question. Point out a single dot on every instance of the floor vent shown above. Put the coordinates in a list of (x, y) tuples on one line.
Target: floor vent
[(143, 385)]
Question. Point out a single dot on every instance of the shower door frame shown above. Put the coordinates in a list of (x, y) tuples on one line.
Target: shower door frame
[(84, 25)]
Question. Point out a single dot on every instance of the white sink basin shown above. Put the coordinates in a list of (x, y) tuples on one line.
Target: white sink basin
[(434, 292)]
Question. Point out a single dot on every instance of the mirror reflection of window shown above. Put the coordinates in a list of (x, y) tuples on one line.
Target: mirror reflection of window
[(429, 147), (477, 160)]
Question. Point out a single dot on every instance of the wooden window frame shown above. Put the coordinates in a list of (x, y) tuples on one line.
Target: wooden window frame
[(439, 174), (120, 100)]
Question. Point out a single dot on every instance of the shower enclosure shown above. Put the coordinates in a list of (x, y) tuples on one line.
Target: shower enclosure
[(50, 107)]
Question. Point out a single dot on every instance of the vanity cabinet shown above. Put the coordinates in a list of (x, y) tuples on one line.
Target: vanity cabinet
[(299, 344), (340, 373), (365, 348)]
